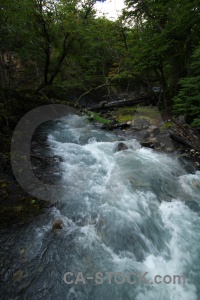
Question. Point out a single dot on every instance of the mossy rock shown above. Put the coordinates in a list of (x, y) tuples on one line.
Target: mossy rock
[(22, 211)]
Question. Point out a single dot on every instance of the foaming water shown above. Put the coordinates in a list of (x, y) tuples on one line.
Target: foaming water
[(127, 211)]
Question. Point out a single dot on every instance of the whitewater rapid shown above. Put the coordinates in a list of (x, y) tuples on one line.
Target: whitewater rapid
[(128, 211)]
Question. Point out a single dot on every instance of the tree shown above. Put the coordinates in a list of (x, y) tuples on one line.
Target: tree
[(40, 34), (187, 101), (167, 35)]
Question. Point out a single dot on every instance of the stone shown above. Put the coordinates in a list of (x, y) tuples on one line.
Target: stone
[(123, 125), (121, 147), (17, 276), (150, 143), (22, 251), (91, 117), (147, 144), (196, 184), (184, 155), (57, 224), (129, 123), (152, 129), (136, 128)]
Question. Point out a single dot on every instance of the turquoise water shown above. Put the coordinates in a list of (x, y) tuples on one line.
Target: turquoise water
[(129, 211)]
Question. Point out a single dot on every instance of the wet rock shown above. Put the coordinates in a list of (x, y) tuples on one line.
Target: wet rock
[(57, 224), (17, 276), (150, 143), (129, 123), (136, 128), (184, 155), (22, 251), (91, 117), (152, 129), (136, 184), (196, 184), (121, 147), (123, 125), (197, 164), (147, 144)]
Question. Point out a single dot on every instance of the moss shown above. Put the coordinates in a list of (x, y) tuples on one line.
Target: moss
[(124, 118), (22, 211), (143, 117), (125, 114), (128, 113), (149, 111), (126, 110), (167, 125), (99, 119)]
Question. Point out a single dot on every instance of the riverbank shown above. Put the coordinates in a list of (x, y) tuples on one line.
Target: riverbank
[(154, 129), (16, 206)]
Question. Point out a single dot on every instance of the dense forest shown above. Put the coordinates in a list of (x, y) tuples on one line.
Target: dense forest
[(62, 49)]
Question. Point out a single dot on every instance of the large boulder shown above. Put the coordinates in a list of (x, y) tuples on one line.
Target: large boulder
[(121, 147)]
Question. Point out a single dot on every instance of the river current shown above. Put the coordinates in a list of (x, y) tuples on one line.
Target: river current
[(132, 212)]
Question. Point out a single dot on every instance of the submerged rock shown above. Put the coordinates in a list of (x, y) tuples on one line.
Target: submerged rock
[(57, 224), (196, 184), (121, 147), (17, 276)]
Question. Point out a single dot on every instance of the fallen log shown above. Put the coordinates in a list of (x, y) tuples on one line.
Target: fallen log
[(180, 139), (123, 103)]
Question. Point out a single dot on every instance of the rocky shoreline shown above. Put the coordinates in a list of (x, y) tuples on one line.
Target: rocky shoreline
[(156, 131), (17, 207)]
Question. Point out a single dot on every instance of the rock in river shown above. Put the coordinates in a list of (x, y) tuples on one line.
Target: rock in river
[(121, 147), (57, 224)]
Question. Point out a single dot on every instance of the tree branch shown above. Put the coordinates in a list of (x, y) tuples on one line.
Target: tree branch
[(92, 89)]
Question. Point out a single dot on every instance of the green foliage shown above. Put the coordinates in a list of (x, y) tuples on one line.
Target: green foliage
[(100, 119), (124, 118), (125, 114), (167, 125), (187, 101), (165, 33), (61, 47)]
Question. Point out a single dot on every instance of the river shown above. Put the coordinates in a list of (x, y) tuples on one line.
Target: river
[(135, 212)]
